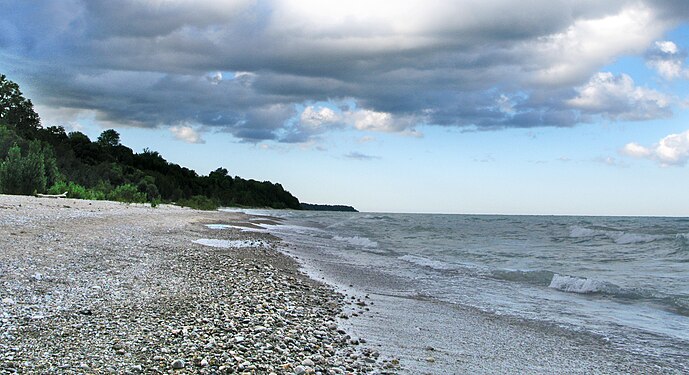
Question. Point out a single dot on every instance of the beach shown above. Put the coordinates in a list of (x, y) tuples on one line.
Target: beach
[(492, 294), (104, 287)]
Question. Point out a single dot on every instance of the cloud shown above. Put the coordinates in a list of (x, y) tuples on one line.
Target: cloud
[(617, 97), (186, 134), (672, 150), (667, 59), (476, 65), (317, 117), (359, 156), (588, 43), (214, 78), (610, 161)]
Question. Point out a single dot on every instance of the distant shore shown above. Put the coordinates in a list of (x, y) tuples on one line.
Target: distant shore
[(104, 287)]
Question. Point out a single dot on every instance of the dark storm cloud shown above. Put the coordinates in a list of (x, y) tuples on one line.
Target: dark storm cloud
[(244, 67)]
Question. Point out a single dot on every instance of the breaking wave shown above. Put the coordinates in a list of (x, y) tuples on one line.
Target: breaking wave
[(580, 285), (426, 262), (357, 241), (618, 236)]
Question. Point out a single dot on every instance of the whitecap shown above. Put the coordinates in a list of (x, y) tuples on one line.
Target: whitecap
[(357, 241), (575, 284), (227, 244), (425, 262)]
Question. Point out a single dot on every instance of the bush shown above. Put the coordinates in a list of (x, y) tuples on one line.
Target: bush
[(76, 191), (127, 193), (199, 202), (23, 174)]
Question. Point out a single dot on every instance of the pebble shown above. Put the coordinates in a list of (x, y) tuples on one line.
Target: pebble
[(178, 364), (308, 362), (144, 290)]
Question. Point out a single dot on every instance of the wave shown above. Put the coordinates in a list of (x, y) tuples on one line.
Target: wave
[(357, 241), (426, 262), (579, 285), (678, 304), (230, 244), (535, 277), (618, 236)]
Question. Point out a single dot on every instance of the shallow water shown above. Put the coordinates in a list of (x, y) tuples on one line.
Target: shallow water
[(625, 280)]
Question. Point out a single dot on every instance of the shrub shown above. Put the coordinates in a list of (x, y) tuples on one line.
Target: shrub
[(199, 202), (23, 174), (127, 193), (76, 191)]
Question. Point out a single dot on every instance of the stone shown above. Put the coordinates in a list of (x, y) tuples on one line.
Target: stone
[(178, 364), (308, 362)]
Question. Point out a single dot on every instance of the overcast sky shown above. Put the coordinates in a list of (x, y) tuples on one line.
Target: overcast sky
[(531, 106)]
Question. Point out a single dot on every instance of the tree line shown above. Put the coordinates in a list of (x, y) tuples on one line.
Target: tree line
[(36, 159)]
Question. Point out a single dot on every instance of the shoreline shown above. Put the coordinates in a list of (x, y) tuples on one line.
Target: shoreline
[(431, 335), (106, 287)]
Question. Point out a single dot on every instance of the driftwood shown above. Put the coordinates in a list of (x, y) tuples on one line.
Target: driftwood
[(63, 195)]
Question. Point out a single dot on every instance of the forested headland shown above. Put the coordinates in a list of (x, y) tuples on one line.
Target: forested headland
[(37, 159)]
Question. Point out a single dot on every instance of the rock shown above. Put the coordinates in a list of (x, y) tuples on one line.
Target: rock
[(308, 362), (178, 364), (299, 370), (430, 359)]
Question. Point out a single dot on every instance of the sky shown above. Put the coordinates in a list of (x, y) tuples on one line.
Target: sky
[(495, 106)]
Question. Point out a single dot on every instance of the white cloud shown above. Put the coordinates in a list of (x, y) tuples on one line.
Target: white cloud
[(617, 98), (214, 78), (186, 134), (367, 119), (245, 79), (636, 150), (667, 47), (666, 59), (671, 150), (610, 161), (589, 43), (316, 117)]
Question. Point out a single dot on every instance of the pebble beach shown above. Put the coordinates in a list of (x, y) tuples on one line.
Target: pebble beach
[(96, 287)]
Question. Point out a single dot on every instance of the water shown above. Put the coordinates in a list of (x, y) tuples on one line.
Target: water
[(625, 280)]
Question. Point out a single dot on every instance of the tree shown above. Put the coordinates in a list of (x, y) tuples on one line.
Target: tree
[(15, 110), (26, 174), (109, 138)]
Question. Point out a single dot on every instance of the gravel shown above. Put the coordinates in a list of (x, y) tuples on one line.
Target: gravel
[(103, 287)]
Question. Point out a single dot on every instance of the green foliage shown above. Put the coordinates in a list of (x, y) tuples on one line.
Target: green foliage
[(199, 202), (27, 174), (8, 138), (109, 138), (15, 110), (127, 193), (76, 191)]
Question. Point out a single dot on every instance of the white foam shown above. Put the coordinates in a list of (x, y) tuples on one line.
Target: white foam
[(581, 232), (219, 226), (228, 244), (241, 228), (619, 237), (357, 241), (575, 284), (425, 262), (624, 238)]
